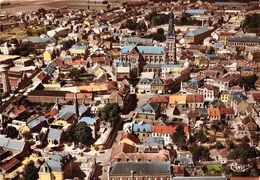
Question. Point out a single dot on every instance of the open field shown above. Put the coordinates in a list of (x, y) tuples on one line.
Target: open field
[(31, 5)]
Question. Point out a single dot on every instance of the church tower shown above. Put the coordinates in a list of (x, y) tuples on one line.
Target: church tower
[(171, 41)]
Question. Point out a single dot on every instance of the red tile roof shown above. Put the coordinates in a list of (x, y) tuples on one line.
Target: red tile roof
[(79, 62), (159, 99), (9, 164), (214, 112), (79, 95), (167, 129), (19, 110), (195, 98)]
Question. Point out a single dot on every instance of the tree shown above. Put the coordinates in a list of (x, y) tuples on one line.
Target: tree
[(43, 139), (79, 133), (67, 44), (160, 31), (201, 137), (199, 153), (179, 137), (110, 113), (243, 151), (11, 132), (30, 171), (26, 48), (248, 82), (76, 73)]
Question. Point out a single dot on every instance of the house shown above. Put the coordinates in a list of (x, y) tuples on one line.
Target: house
[(157, 85), (184, 158), (119, 152), (142, 131), (195, 100), (178, 100), (198, 35), (214, 114), (209, 92), (78, 50), (121, 70), (144, 86), (165, 132), (130, 139), (139, 170), (225, 97), (243, 41), (48, 56), (55, 167), (54, 136), (34, 125), (148, 111)]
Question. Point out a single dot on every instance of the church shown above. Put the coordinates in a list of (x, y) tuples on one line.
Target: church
[(151, 58)]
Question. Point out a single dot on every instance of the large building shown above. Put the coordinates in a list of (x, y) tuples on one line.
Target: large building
[(151, 58)]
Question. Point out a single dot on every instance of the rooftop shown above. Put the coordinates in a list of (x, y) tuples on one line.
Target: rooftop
[(139, 168)]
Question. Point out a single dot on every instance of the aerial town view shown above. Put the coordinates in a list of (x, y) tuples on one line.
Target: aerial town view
[(129, 89)]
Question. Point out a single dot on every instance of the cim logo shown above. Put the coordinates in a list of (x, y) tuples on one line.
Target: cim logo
[(234, 166)]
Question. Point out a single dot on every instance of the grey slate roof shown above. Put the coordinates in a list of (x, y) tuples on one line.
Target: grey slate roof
[(33, 123), (54, 134), (12, 144), (243, 39), (139, 168)]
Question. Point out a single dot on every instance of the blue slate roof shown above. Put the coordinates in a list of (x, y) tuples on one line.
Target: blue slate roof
[(157, 80), (193, 82), (145, 81), (197, 31), (243, 39), (195, 11), (142, 128), (39, 40), (12, 144), (54, 134), (88, 120), (144, 49), (136, 40), (71, 109), (172, 65), (79, 47), (154, 142), (184, 160), (50, 68), (238, 96), (103, 26), (149, 108), (35, 122)]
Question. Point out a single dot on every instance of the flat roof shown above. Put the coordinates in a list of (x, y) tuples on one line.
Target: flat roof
[(8, 57)]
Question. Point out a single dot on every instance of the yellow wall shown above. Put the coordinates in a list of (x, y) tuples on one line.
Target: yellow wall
[(24, 129), (146, 116), (77, 51), (47, 56), (51, 176), (224, 98), (127, 141)]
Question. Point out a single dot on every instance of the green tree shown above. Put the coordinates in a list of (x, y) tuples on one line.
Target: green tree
[(243, 151), (30, 171), (248, 82), (110, 113), (179, 137), (80, 133), (25, 49), (43, 139), (11, 132), (201, 137), (67, 44), (76, 73), (199, 153)]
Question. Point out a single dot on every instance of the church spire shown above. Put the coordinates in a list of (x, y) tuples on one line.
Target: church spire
[(171, 31)]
